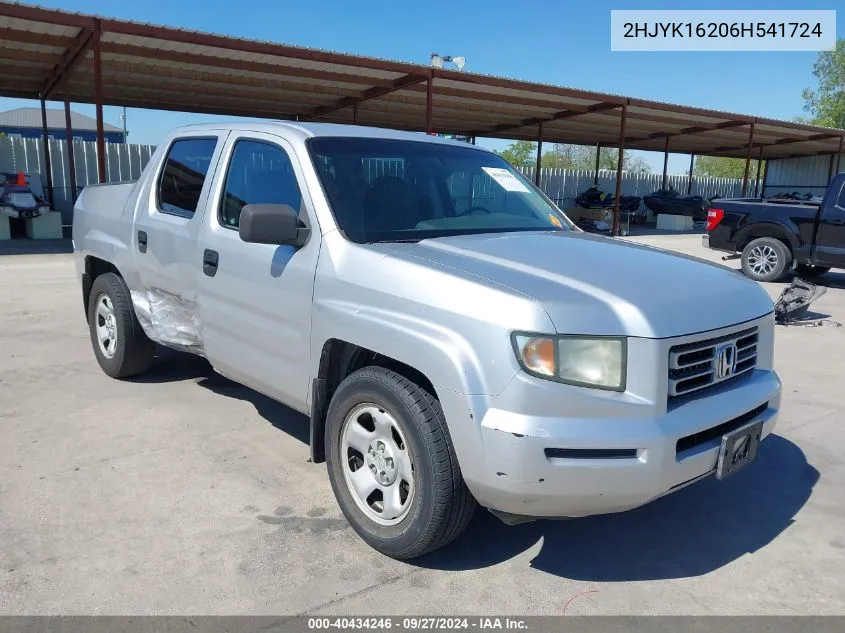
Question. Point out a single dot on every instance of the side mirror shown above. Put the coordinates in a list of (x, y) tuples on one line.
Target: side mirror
[(272, 224)]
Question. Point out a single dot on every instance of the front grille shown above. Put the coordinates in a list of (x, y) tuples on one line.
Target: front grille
[(701, 364), (716, 432)]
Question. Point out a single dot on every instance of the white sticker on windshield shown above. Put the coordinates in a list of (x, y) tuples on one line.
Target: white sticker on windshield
[(507, 180)]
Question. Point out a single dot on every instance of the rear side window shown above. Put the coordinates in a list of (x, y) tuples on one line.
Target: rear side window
[(259, 173), (182, 178)]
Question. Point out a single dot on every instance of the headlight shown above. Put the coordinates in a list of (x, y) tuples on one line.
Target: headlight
[(588, 361)]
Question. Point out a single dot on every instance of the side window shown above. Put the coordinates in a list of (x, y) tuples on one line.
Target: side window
[(182, 178), (258, 173), (841, 202)]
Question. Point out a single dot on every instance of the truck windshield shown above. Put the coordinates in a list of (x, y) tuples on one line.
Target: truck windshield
[(383, 190)]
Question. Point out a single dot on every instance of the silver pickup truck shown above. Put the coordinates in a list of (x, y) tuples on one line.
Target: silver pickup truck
[(453, 337)]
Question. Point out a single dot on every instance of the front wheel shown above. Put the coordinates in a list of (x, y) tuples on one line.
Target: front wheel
[(807, 270), (765, 259), (392, 465)]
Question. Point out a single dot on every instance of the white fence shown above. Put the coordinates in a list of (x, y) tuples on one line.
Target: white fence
[(564, 185), (123, 162)]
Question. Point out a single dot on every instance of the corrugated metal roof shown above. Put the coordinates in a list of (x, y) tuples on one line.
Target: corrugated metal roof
[(31, 118), (147, 66)]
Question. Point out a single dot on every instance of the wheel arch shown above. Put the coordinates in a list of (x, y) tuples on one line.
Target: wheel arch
[(94, 267), (776, 231), (338, 359)]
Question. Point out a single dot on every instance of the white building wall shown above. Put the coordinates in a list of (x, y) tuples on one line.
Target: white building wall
[(808, 174)]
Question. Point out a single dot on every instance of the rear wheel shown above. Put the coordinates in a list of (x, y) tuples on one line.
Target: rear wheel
[(120, 345), (765, 259), (806, 270), (392, 465)]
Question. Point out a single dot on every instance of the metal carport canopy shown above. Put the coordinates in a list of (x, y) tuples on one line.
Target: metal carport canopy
[(54, 55)]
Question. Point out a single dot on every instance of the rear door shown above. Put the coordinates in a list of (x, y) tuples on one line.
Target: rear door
[(830, 238), (255, 302), (167, 225)]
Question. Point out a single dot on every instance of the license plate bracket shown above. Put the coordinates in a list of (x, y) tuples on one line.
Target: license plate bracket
[(739, 449)]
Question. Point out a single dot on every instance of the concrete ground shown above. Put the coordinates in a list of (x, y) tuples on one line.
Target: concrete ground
[(183, 493)]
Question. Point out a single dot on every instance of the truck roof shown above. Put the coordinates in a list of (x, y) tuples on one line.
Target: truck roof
[(305, 131)]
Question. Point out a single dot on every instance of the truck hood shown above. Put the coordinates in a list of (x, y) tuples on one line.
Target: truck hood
[(595, 285)]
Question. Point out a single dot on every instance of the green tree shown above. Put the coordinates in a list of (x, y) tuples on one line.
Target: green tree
[(826, 104), (584, 157), (520, 154), (722, 167)]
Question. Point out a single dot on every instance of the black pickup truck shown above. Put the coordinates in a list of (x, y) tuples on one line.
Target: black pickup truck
[(775, 235)]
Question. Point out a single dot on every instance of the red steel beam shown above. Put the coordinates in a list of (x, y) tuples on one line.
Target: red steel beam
[(71, 164), (98, 101), (539, 153), (563, 114), (146, 74), (759, 165), (70, 57), (666, 107), (29, 37), (120, 85), (691, 167), (157, 103), (209, 62), (29, 57), (37, 14), (501, 99), (747, 161), (222, 42), (534, 88), (370, 93), (784, 141), (696, 129), (598, 160), (618, 193), (48, 165), (429, 104)]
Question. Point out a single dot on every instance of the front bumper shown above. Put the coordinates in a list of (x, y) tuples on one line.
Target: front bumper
[(617, 461)]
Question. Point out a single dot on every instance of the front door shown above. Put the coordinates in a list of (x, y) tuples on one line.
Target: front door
[(830, 237), (255, 301)]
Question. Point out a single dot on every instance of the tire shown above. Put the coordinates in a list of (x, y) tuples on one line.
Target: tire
[(437, 505), (765, 259), (128, 351), (806, 270)]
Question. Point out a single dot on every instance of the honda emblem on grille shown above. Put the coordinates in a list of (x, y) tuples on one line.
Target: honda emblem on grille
[(725, 361)]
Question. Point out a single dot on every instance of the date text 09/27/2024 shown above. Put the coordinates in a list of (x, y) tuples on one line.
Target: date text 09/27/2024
[(416, 623)]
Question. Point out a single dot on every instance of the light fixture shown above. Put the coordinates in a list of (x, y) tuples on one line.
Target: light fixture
[(438, 60)]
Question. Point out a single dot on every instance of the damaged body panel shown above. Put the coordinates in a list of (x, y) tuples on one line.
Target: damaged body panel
[(168, 320)]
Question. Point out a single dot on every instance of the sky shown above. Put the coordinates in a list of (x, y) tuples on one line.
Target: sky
[(563, 43)]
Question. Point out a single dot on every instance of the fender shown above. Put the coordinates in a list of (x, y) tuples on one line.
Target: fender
[(445, 357), (766, 228)]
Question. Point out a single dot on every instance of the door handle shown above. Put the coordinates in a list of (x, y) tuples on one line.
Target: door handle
[(209, 262), (142, 241)]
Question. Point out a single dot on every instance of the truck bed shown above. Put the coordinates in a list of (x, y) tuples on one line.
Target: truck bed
[(730, 220)]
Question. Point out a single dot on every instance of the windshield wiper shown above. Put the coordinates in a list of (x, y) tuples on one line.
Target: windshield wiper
[(398, 241)]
